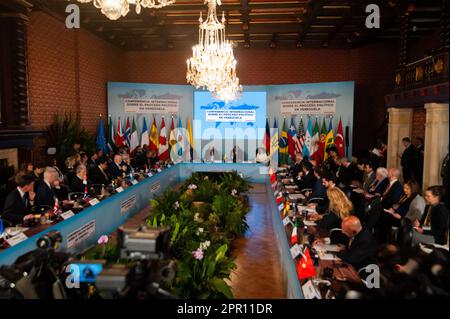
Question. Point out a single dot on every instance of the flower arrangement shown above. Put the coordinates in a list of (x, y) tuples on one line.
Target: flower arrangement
[(204, 215)]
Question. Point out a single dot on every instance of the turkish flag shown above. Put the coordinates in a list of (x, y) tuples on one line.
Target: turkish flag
[(339, 140), (305, 268)]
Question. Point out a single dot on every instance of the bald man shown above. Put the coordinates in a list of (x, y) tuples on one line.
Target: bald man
[(394, 191), (361, 248)]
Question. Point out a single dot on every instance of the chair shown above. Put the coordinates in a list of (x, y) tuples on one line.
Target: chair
[(373, 213), (337, 237), (74, 195)]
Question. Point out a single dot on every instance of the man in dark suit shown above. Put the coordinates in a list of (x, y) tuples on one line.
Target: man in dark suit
[(394, 191), (408, 159), (80, 182), (98, 174), (20, 201), (361, 248), (117, 169), (346, 172), (297, 166), (369, 176), (45, 195), (306, 179)]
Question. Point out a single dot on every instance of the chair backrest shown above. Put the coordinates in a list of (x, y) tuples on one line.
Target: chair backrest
[(373, 213)]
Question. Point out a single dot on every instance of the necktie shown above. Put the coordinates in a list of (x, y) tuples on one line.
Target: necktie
[(350, 242), (428, 216), (26, 200)]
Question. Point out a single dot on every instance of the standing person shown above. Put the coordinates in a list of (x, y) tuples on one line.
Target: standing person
[(408, 159), (420, 152), (445, 180)]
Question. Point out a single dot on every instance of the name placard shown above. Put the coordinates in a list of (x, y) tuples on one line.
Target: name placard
[(94, 201), (119, 189), (310, 291), (134, 182), (81, 234), (280, 208), (286, 221), (20, 237), (67, 215), (295, 251)]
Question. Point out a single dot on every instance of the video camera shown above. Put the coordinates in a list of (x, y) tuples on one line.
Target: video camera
[(146, 249)]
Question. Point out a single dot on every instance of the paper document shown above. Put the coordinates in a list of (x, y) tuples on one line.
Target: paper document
[(326, 247)]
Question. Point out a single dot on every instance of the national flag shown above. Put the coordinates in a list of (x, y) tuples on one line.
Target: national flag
[(273, 177), (101, 140), (294, 236), (287, 208), (305, 268), (329, 140), (111, 137), (274, 139), (283, 145), (163, 149), (120, 139), (300, 136), (339, 141), (144, 137), (306, 151), (266, 139), (180, 140), (56, 209), (279, 198), (154, 143), (321, 144), (128, 132), (315, 141), (172, 140), (292, 140), (134, 137), (190, 138)]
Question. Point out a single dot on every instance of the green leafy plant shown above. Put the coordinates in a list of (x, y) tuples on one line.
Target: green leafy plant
[(202, 274), (64, 132)]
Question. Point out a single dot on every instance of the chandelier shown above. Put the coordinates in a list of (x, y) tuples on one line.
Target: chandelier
[(212, 65), (114, 9)]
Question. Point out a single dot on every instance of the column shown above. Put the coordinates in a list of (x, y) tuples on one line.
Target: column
[(436, 142), (400, 125)]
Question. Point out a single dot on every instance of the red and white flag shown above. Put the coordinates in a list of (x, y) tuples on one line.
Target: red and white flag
[(294, 236), (339, 140), (163, 149)]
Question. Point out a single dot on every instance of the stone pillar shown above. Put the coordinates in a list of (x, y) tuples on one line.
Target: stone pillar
[(400, 126), (436, 142)]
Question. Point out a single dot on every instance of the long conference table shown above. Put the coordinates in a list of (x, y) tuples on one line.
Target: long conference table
[(82, 230)]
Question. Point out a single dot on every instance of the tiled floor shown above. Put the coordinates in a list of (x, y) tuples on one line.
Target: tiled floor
[(258, 273)]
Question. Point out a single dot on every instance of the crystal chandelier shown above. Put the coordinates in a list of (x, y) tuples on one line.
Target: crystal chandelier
[(212, 65), (114, 9)]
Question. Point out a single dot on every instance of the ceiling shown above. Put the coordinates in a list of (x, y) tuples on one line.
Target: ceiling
[(257, 23)]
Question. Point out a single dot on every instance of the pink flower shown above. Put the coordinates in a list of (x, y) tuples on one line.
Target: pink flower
[(102, 240), (198, 254)]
